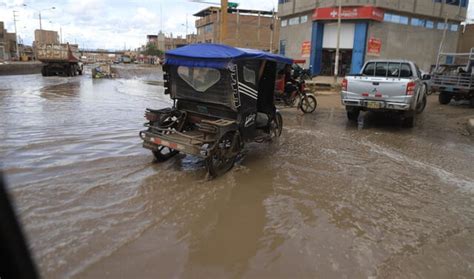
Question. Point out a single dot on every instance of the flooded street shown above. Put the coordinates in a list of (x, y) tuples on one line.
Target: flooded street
[(330, 199)]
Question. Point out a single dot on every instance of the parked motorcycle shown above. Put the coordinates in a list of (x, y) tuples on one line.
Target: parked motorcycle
[(301, 73), (302, 99)]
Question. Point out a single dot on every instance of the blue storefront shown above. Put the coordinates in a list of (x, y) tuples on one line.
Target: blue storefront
[(353, 41)]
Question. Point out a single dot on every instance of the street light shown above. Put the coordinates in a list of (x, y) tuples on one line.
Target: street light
[(39, 13)]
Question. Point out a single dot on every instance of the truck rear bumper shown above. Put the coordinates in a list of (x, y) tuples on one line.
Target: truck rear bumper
[(376, 105), (153, 141)]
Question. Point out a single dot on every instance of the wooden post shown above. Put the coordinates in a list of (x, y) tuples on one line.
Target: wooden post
[(238, 29), (224, 4), (258, 28)]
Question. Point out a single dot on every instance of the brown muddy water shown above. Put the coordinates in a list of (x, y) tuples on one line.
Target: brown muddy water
[(328, 200)]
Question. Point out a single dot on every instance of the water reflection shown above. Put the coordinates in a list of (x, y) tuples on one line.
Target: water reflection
[(227, 234)]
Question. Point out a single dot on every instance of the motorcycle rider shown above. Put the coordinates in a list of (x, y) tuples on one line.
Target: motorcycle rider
[(290, 88)]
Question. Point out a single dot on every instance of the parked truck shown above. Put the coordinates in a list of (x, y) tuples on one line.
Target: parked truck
[(388, 86), (59, 59), (454, 80)]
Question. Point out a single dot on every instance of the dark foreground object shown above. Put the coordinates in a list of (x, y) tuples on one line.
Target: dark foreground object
[(15, 258)]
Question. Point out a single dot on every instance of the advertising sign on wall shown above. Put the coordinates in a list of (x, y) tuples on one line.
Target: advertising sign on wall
[(374, 47), (365, 12), (306, 49)]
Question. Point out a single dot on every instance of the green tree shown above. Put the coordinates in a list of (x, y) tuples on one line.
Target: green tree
[(151, 49)]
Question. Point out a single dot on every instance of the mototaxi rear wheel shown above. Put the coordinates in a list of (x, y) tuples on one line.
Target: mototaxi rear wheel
[(223, 155)]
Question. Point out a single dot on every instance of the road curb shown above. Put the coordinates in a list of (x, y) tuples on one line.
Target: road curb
[(470, 126)]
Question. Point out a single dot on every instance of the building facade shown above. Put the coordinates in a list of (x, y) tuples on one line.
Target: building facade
[(466, 39), (7, 43), (46, 36), (245, 28), (165, 43), (370, 29)]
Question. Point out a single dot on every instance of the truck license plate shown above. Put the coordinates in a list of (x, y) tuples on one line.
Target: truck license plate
[(373, 105)]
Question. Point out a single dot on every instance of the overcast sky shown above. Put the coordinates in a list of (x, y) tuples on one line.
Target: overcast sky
[(111, 24)]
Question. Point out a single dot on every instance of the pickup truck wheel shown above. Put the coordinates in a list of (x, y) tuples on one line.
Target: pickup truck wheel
[(353, 114), (420, 107), (444, 98)]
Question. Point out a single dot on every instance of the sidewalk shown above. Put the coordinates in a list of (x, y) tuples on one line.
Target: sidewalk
[(324, 85)]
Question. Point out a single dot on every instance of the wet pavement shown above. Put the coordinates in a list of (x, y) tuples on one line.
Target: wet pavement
[(330, 199)]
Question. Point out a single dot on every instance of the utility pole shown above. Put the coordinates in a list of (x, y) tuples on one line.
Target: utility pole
[(224, 6), (16, 35), (39, 13), (338, 41), (237, 36), (39, 17), (441, 44), (186, 28), (258, 28)]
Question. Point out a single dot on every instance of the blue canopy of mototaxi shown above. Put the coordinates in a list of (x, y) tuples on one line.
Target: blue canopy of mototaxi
[(217, 56)]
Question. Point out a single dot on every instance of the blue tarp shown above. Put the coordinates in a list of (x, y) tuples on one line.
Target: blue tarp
[(217, 56)]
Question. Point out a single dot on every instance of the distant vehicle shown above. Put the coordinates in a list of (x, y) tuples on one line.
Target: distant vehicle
[(102, 71), (456, 80), (126, 59), (427, 82), (59, 59), (223, 97), (395, 86)]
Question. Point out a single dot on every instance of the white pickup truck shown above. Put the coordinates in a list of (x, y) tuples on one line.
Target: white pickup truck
[(386, 86)]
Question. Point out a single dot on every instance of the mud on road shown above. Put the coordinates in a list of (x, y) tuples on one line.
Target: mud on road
[(330, 199)]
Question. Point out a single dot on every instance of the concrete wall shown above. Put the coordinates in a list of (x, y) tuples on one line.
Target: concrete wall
[(295, 35), (412, 43), (46, 36)]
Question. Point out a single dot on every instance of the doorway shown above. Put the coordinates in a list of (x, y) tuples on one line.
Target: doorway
[(328, 58)]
